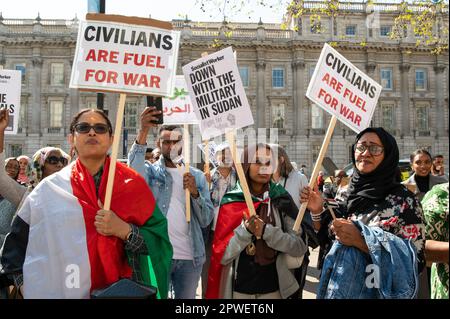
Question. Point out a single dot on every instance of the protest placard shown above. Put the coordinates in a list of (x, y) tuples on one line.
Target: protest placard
[(342, 90), (211, 148), (10, 88), (125, 54), (217, 94), (347, 93), (177, 109)]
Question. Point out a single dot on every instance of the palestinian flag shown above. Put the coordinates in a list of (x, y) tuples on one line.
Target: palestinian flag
[(54, 240), (232, 210)]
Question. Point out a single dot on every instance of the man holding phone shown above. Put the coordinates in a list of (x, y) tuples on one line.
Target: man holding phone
[(168, 184)]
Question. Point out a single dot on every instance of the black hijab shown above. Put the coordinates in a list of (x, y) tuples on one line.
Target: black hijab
[(365, 190)]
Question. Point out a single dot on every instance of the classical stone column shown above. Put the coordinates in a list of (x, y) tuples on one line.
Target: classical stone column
[(298, 67), (260, 94), (35, 104), (440, 119), (406, 127)]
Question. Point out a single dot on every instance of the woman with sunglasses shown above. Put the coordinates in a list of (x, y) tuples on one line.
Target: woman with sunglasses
[(62, 223), (379, 248)]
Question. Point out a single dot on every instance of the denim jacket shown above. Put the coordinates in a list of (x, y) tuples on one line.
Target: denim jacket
[(160, 182), (389, 271)]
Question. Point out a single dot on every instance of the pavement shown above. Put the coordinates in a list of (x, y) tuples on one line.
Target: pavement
[(312, 278)]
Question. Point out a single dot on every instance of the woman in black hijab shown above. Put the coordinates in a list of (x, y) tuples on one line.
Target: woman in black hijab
[(376, 197)]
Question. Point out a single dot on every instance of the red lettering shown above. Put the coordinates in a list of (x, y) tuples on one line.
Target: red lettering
[(102, 56), (101, 76), (141, 80), (91, 55)]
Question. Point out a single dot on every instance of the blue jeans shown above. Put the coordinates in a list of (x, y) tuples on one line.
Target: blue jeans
[(184, 278)]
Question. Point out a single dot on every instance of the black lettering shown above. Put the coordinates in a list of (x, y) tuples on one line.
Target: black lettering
[(86, 36), (365, 86), (204, 112), (167, 39), (327, 59), (142, 39), (373, 90), (122, 37), (154, 40), (107, 34)]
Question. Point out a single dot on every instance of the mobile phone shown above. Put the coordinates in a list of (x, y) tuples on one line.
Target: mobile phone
[(156, 101)]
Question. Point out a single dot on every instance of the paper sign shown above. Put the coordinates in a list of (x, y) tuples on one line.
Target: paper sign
[(178, 109), (341, 89), (217, 94), (212, 146), (10, 87), (126, 58)]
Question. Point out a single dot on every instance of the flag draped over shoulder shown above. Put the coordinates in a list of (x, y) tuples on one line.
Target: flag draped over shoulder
[(66, 257), (231, 213)]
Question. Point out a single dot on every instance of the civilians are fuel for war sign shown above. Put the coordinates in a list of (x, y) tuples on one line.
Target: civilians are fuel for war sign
[(125, 56), (10, 86), (343, 90), (217, 93)]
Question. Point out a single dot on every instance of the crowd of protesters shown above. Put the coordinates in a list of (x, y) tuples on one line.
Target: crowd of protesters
[(52, 215)]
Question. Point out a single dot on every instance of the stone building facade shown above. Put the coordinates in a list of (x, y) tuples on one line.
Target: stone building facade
[(275, 65)]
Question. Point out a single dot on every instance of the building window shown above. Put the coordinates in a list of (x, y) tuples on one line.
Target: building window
[(316, 25), (388, 117), (21, 67), (315, 152), (131, 115), (316, 117), (15, 150), (350, 30), (278, 78), (386, 78), (278, 115), (243, 71), (421, 80), (422, 118), (91, 104), (385, 30), (57, 74), (56, 114)]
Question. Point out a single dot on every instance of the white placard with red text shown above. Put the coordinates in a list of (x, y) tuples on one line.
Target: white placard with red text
[(10, 88), (126, 58), (341, 89), (177, 109)]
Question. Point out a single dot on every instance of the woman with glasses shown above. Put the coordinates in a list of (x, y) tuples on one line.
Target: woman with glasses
[(379, 249), (62, 228)]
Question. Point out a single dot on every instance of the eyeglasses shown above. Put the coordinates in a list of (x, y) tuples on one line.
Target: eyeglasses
[(53, 160), (373, 149), (84, 128)]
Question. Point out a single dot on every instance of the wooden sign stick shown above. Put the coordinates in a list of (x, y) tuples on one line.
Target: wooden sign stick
[(206, 169), (231, 138), (312, 181), (115, 148), (186, 170)]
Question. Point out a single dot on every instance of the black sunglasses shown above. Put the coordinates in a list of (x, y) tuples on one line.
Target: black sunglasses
[(84, 128), (53, 160)]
